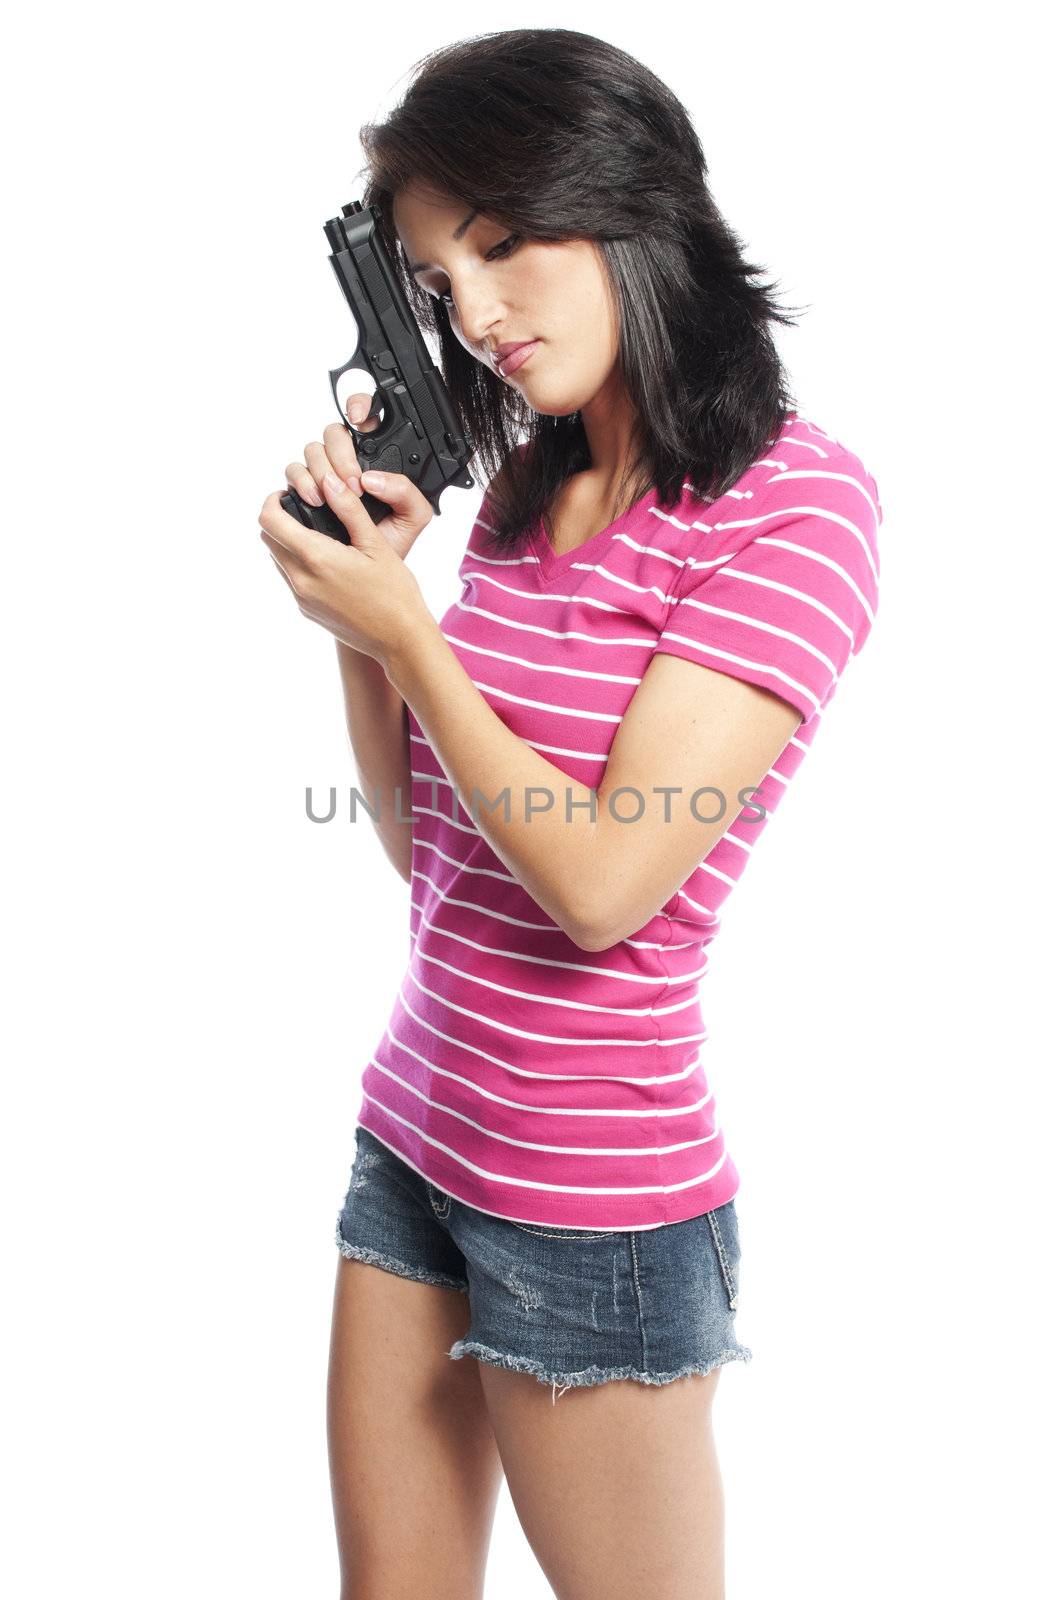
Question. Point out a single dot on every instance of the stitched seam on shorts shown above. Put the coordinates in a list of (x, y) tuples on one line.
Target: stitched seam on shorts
[(725, 1264), (638, 1296), (546, 1233)]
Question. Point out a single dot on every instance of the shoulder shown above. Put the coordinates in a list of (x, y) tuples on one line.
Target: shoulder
[(780, 575), (810, 473), (808, 504)]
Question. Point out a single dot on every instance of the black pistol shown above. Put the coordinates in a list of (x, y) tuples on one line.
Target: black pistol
[(419, 434)]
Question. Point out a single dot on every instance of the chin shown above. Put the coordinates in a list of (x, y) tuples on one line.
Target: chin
[(548, 405), (545, 408)]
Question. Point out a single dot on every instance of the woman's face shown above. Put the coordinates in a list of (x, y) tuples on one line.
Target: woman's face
[(502, 289)]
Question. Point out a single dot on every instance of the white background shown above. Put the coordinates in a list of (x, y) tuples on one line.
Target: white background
[(197, 973)]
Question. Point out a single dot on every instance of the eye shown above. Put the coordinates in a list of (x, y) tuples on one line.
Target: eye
[(512, 241), (492, 255)]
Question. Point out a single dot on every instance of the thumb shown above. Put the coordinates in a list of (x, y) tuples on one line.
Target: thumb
[(411, 511)]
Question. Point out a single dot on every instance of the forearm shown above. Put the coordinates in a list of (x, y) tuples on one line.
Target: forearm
[(376, 726), (547, 835)]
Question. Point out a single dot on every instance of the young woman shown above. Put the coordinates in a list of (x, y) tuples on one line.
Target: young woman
[(668, 572)]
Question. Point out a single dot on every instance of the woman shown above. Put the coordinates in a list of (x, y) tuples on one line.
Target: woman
[(668, 572)]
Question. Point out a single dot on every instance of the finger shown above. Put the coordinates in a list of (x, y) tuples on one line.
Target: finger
[(300, 543), (338, 454), (347, 505), (302, 480), (321, 460), (411, 511), (358, 411), (339, 447)]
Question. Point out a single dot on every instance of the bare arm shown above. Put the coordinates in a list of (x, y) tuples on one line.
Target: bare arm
[(379, 735), (376, 712), (599, 877)]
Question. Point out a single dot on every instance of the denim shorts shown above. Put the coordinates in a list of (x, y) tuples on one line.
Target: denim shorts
[(570, 1306)]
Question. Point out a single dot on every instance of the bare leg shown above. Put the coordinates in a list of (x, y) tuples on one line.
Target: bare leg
[(617, 1486), (415, 1469)]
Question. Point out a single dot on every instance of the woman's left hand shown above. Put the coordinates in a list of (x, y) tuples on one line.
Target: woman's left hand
[(364, 592)]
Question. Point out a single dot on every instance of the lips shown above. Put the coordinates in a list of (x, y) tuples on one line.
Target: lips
[(509, 357), (498, 355)]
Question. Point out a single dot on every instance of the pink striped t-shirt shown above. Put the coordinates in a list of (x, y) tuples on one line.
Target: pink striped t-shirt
[(520, 1073)]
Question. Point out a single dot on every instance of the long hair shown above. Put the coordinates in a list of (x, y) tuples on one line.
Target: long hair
[(558, 135)]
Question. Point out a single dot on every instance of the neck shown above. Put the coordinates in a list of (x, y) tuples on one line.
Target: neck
[(609, 423)]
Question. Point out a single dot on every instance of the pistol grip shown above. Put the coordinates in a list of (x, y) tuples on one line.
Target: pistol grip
[(324, 519)]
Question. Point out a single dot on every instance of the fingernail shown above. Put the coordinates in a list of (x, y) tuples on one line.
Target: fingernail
[(353, 483), (333, 483), (313, 497), (372, 480), (357, 410)]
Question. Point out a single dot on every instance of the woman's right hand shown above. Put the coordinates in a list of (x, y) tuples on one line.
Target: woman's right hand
[(411, 511)]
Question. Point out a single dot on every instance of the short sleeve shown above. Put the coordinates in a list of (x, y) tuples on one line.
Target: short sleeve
[(783, 595)]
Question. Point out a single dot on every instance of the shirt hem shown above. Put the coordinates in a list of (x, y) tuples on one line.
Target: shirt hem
[(727, 1192)]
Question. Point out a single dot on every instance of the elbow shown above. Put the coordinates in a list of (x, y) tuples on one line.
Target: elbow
[(598, 925), (590, 930), (595, 940)]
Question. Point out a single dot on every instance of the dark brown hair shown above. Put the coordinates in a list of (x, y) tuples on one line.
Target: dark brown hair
[(560, 135)]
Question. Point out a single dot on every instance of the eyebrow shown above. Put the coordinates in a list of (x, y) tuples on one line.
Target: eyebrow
[(459, 233)]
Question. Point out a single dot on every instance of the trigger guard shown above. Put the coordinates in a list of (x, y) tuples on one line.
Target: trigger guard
[(335, 373)]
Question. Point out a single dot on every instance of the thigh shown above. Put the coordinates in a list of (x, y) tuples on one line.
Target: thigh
[(617, 1489), (414, 1464), (615, 1478)]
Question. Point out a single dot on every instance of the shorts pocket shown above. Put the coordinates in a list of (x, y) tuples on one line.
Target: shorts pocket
[(546, 1232), (723, 1225)]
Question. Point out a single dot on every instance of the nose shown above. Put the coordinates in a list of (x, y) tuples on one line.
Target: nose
[(477, 312)]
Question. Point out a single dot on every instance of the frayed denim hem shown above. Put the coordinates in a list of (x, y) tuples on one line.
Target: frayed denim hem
[(355, 1252), (591, 1375)]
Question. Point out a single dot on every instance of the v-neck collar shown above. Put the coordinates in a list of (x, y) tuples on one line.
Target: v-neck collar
[(550, 564)]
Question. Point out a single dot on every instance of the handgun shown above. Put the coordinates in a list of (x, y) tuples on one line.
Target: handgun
[(419, 433)]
